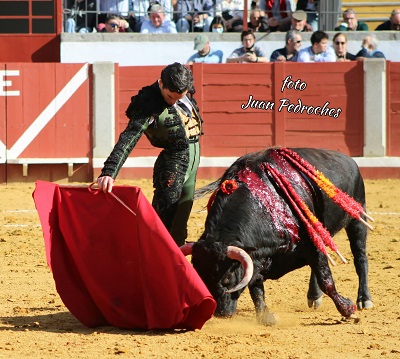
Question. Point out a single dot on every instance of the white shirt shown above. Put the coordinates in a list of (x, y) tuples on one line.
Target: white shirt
[(306, 55)]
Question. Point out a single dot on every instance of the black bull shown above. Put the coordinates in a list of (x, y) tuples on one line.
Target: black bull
[(238, 223)]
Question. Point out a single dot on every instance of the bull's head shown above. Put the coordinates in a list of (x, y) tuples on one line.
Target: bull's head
[(226, 271)]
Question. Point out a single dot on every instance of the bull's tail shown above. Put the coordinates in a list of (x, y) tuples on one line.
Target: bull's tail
[(203, 191)]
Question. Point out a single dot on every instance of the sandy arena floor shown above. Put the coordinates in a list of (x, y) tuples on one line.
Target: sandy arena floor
[(34, 323)]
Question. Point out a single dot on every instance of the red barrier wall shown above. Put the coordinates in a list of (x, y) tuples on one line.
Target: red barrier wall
[(222, 90), (46, 111), (393, 124), (46, 116)]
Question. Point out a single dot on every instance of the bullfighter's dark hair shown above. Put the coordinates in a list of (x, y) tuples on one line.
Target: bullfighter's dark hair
[(318, 36), (177, 78)]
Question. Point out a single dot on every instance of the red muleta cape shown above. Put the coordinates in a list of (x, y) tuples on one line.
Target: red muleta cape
[(112, 267)]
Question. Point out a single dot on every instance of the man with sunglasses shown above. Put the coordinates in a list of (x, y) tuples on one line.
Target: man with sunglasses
[(290, 52), (340, 47), (115, 24), (392, 24)]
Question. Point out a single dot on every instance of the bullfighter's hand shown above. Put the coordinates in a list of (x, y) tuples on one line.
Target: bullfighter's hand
[(105, 183)]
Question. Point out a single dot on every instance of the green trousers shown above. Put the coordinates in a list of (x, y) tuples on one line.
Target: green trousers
[(174, 190)]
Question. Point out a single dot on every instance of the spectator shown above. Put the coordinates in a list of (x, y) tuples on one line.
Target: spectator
[(83, 16), (340, 47), (298, 22), (392, 24), (141, 11), (370, 49), (311, 8), (258, 21), (217, 25), (231, 12), (157, 24), (290, 52), (204, 52), (351, 23), (319, 50), (194, 15), (114, 24), (167, 114), (248, 52), (279, 12)]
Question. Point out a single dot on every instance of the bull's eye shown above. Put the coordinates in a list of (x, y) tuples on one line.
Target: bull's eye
[(227, 279)]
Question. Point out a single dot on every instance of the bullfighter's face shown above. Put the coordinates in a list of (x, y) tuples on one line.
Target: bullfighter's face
[(171, 98)]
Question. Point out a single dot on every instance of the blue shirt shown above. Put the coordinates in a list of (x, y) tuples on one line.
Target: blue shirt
[(283, 52), (213, 57), (306, 55)]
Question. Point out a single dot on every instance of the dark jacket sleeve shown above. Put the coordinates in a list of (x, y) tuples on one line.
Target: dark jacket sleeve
[(126, 142)]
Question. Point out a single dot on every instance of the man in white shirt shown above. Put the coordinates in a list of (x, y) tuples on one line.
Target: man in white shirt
[(319, 50), (156, 24)]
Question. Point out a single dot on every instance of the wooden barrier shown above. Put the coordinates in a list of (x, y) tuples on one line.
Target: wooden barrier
[(46, 117), (46, 113)]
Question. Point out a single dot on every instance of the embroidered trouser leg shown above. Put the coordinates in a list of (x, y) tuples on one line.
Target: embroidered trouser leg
[(179, 225), (174, 182)]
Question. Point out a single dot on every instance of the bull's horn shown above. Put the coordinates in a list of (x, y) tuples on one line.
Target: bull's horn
[(241, 256), (187, 248)]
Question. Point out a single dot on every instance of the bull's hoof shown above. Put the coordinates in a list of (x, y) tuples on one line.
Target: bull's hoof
[(268, 319), (367, 304), (354, 318), (315, 303)]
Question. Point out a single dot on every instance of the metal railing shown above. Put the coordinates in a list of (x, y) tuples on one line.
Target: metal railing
[(86, 20)]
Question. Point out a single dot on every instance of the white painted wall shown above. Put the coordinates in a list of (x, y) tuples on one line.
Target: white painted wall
[(154, 49)]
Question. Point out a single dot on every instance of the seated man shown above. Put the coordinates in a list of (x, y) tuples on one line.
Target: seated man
[(370, 49), (392, 24), (258, 21), (114, 24), (351, 23), (194, 15), (204, 52), (156, 24), (311, 7), (141, 9), (340, 47), (249, 52), (319, 50), (290, 51), (298, 22)]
